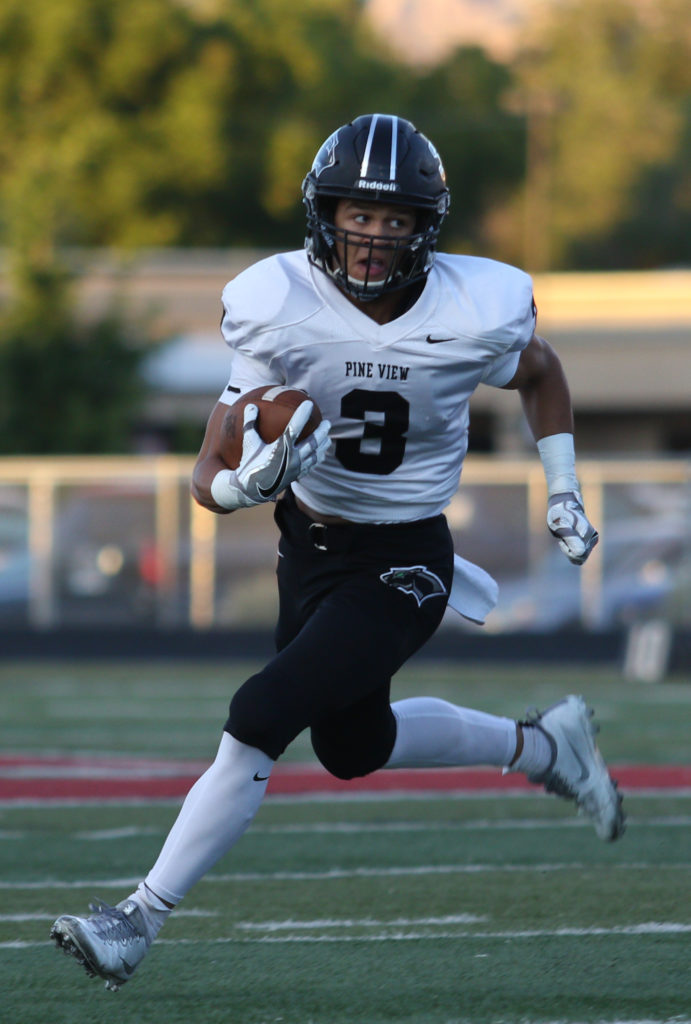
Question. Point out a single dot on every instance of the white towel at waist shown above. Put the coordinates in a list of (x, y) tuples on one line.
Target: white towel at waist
[(474, 593)]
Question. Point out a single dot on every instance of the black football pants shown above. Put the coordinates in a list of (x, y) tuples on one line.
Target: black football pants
[(356, 601)]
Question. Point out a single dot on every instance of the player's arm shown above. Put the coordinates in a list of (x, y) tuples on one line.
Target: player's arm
[(209, 461), (541, 382), (264, 469)]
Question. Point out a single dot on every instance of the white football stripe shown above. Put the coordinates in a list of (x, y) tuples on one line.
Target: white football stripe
[(274, 392)]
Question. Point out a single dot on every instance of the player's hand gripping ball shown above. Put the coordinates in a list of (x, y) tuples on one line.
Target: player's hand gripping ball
[(276, 405)]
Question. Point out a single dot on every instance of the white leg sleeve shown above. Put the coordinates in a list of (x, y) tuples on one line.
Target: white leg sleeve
[(216, 812), (432, 732)]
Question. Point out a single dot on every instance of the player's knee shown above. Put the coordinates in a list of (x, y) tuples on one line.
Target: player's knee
[(344, 762), (257, 721)]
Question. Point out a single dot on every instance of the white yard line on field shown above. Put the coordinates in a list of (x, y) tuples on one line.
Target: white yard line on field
[(383, 797), (362, 922), (19, 918), (648, 928), (479, 825), (107, 834), (336, 874), (366, 828), (397, 934)]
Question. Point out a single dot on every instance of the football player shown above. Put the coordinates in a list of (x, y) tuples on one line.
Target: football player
[(391, 340)]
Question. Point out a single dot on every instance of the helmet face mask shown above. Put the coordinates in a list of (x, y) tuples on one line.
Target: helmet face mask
[(409, 258), (377, 158)]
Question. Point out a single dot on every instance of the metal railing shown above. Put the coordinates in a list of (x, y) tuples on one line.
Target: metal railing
[(118, 539)]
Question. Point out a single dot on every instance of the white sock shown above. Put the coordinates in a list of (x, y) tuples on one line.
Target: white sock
[(154, 911), (536, 756), (432, 732), (216, 812)]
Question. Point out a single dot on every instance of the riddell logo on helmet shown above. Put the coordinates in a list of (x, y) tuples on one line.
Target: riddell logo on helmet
[(379, 186)]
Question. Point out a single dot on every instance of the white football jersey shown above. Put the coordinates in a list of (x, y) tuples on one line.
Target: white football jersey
[(396, 394)]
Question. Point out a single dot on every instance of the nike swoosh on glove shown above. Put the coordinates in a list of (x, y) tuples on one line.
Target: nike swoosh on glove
[(567, 521), (267, 469)]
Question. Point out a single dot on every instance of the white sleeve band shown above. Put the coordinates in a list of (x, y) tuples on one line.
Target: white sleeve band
[(226, 492), (559, 463)]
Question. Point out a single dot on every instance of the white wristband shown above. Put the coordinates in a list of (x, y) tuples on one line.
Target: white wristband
[(226, 492), (559, 462)]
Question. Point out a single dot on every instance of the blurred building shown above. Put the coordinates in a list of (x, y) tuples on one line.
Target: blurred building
[(624, 338)]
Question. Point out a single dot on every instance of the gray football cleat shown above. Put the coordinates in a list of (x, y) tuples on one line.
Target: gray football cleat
[(577, 770), (110, 943)]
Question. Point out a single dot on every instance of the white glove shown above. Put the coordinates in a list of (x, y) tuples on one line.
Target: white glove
[(267, 469), (567, 521)]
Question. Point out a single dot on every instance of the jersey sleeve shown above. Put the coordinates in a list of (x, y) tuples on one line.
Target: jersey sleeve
[(251, 302), (518, 332), (262, 307), (501, 370), (246, 374)]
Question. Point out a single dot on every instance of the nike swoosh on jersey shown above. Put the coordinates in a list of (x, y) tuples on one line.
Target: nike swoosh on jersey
[(266, 492), (260, 778), (437, 341)]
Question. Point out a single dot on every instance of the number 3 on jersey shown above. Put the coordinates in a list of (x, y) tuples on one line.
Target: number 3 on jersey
[(388, 432)]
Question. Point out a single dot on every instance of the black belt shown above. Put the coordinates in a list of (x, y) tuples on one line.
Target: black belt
[(300, 529), (319, 535)]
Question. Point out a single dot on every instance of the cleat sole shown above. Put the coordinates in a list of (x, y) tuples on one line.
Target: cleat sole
[(98, 943), (70, 948)]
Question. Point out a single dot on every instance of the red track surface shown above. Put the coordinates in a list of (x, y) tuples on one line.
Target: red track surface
[(24, 778)]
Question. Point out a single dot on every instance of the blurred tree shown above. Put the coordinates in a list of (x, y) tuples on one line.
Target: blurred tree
[(155, 122), (81, 127), (461, 105), (301, 70), (607, 89), (130, 123), (65, 387), (109, 115)]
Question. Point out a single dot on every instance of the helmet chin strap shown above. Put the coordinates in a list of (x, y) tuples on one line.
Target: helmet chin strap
[(366, 292), (365, 289)]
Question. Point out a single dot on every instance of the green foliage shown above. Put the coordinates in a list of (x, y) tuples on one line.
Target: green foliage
[(129, 123), (612, 83), (460, 105), (125, 123), (105, 107), (161, 122), (65, 387), (154, 122)]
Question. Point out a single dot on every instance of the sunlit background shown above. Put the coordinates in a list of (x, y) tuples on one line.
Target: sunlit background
[(150, 151)]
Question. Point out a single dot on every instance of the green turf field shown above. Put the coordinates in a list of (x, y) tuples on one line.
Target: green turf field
[(425, 911)]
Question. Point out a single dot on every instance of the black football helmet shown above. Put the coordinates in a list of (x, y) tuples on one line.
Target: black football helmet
[(377, 158)]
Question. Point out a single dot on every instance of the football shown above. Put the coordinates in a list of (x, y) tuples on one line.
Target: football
[(276, 405)]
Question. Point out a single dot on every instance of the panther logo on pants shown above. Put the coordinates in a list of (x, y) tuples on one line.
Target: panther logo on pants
[(416, 580)]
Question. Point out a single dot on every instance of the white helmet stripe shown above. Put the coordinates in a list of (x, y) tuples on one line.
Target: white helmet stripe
[(364, 168), (394, 148)]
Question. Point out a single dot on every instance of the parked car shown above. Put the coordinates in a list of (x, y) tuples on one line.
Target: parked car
[(640, 559)]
